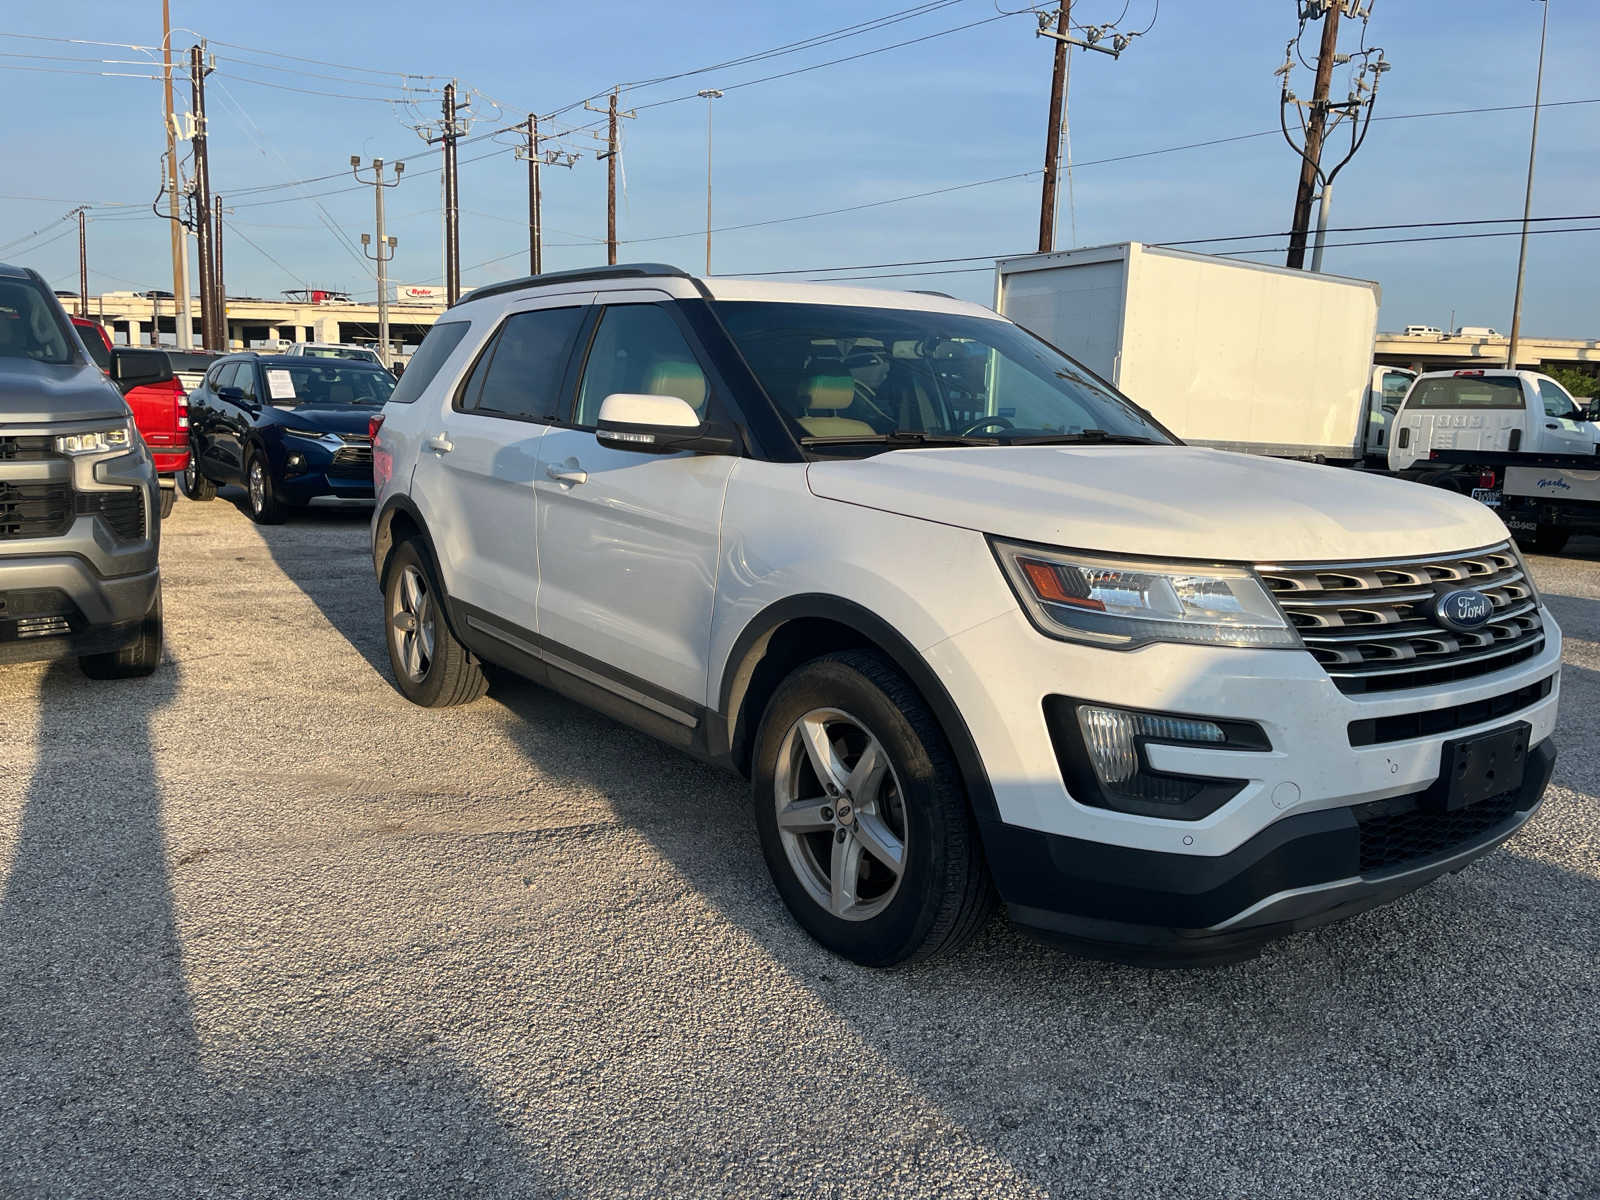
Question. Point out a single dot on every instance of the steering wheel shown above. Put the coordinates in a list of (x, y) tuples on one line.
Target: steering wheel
[(984, 423)]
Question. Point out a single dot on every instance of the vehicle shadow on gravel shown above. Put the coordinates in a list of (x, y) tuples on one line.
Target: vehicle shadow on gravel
[(104, 1083)]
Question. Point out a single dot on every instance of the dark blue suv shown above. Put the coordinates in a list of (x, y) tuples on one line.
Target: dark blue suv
[(288, 429)]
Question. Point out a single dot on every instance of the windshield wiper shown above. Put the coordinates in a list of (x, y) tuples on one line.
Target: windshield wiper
[(1093, 436), (900, 437)]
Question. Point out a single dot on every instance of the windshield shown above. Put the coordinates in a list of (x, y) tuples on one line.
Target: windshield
[(846, 375), (349, 352), (28, 325), (333, 383), (1468, 391)]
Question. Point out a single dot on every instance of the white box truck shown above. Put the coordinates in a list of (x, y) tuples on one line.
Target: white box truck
[(1225, 353)]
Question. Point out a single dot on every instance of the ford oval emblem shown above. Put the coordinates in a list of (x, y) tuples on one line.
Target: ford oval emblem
[(1463, 609)]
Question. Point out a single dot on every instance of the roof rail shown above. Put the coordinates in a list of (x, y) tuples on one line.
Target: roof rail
[(620, 271)]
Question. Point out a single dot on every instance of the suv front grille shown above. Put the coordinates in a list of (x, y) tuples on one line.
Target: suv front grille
[(1390, 840), (30, 510), (353, 460), (122, 511), (1372, 626), (27, 448)]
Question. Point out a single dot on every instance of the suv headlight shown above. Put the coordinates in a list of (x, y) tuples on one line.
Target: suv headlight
[(113, 439), (1122, 604)]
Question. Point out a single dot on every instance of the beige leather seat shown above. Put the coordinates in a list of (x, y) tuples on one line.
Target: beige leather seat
[(684, 380), (824, 395)]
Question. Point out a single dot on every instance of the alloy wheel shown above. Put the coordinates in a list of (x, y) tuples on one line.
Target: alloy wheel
[(412, 617), (841, 814), (258, 487)]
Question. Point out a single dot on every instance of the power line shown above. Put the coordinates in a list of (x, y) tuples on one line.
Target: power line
[(315, 61), (284, 87)]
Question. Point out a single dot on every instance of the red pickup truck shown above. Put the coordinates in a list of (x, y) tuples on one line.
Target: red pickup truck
[(160, 408)]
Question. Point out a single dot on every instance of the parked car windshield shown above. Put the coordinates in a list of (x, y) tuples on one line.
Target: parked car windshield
[(845, 375), (353, 353), (1468, 391), (332, 383), (28, 325)]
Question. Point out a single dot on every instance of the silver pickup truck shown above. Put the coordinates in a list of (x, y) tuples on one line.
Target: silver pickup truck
[(79, 535)]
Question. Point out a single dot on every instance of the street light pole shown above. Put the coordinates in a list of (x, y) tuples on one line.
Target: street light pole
[(710, 94), (385, 247), (1527, 198)]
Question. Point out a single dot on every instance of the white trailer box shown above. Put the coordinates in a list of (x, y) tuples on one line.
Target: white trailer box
[(1224, 353)]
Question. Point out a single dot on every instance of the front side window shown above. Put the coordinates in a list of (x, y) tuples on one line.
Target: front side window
[(244, 378), (843, 375), (1395, 386), (1556, 401), (640, 349), (29, 327), (1468, 391), (520, 374)]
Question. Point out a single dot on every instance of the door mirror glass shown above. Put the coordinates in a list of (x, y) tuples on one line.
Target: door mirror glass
[(231, 393), (1591, 411), (653, 424), (140, 368)]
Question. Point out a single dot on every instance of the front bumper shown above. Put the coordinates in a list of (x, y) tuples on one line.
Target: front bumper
[(1275, 857), (305, 468), (1171, 909)]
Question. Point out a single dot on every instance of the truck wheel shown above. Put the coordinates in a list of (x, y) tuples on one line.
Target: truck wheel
[(195, 485), (265, 507), (862, 817), (1547, 539), (169, 497), (430, 667), (138, 659)]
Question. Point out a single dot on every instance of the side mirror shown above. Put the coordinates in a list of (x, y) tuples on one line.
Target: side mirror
[(140, 368), (1591, 411), (657, 425), (231, 393)]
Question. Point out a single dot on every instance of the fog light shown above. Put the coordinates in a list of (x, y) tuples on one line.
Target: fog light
[(296, 462), (1101, 751)]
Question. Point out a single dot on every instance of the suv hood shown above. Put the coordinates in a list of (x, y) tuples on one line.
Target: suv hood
[(1164, 501), (33, 393)]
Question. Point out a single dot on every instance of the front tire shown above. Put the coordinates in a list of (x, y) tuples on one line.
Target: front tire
[(133, 661), (430, 667), (195, 485), (169, 497), (1547, 539), (266, 508), (862, 815)]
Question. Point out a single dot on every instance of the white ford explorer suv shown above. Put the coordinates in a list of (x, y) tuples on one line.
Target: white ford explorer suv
[(973, 624)]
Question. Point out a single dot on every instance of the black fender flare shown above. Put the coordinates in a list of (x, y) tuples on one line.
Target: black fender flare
[(750, 646), (381, 525)]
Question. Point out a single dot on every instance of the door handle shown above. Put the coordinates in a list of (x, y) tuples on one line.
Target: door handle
[(567, 475), (1551, 425), (440, 443)]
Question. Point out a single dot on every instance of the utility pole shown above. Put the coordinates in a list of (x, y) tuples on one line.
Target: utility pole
[(452, 217), (183, 324), (1321, 116), (1316, 130), (709, 94), (211, 336), (610, 155), (1527, 198), (217, 287), (535, 237), (1052, 145), (385, 247), (83, 268)]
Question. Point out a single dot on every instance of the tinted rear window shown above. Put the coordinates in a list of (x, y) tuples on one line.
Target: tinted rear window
[(196, 363), (425, 363), (1468, 391)]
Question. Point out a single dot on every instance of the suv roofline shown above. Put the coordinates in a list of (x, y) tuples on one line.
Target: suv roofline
[(619, 271)]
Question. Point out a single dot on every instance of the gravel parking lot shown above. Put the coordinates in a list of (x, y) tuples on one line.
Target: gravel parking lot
[(267, 929)]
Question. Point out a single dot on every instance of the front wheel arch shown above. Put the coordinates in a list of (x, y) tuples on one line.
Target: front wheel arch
[(798, 629)]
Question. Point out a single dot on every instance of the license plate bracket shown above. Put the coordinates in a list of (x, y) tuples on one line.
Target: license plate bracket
[(1472, 769), (1487, 496)]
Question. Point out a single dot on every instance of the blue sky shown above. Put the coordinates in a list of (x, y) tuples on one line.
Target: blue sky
[(950, 110)]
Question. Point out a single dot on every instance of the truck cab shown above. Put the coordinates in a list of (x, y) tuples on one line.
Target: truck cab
[(1500, 411), (1386, 388)]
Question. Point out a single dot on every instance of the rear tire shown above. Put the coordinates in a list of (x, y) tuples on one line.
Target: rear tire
[(195, 485), (847, 710), (262, 494), (133, 661), (430, 667)]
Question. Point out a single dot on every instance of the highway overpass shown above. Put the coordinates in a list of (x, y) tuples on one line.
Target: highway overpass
[(1433, 352)]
